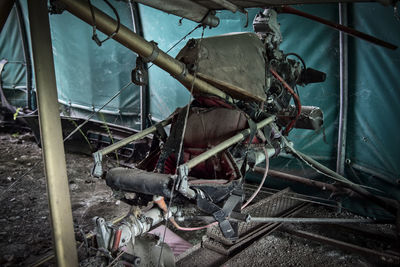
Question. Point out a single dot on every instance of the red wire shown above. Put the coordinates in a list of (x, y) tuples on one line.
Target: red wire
[(295, 97)]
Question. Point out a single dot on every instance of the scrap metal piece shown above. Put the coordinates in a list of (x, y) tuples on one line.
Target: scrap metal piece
[(310, 117)]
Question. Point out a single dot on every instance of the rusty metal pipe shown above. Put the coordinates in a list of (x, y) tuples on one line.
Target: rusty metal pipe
[(294, 178), (137, 44)]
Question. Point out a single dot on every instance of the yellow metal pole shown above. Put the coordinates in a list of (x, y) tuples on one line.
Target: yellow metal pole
[(136, 43), (227, 143), (51, 135)]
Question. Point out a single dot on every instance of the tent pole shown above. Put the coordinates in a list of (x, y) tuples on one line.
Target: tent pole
[(27, 56), (137, 28), (344, 91), (51, 135)]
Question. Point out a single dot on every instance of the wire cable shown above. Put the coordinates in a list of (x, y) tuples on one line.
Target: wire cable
[(178, 42), (94, 34), (295, 97), (95, 112), (262, 181), (180, 149), (299, 57)]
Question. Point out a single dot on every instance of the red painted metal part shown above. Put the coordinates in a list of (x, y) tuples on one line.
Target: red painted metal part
[(117, 239)]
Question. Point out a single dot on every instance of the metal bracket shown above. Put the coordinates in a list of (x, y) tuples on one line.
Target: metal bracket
[(183, 74), (182, 184), (154, 54), (103, 233), (97, 168), (139, 74), (228, 229)]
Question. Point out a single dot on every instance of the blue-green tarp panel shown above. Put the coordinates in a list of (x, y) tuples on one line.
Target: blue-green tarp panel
[(87, 75), (13, 75)]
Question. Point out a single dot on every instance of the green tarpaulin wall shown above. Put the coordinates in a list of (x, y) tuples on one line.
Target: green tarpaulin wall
[(88, 75)]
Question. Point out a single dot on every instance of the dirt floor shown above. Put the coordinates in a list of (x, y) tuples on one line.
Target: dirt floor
[(25, 234)]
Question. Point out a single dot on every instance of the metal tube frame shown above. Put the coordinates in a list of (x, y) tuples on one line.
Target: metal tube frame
[(98, 156), (51, 136), (27, 56), (144, 89), (137, 44), (344, 92), (225, 144), (182, 184)]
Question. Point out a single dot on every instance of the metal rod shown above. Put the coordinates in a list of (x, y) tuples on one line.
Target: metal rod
[(134, 137), (350, 31), (137, 28), (340, 244), (309, 220), (27, 56), (303, 180), (376, 174), (51, 135), (227, 143), (344, 91), (386, 203), (137, 44)]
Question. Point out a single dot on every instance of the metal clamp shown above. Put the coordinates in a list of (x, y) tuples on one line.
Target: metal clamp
[(139, 74), (182, 184), (183, 74), (154, 54), (97, 168)]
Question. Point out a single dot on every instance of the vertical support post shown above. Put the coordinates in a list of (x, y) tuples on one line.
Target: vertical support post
[(27, 56), (344, 91), (51, 135), (137, 28)]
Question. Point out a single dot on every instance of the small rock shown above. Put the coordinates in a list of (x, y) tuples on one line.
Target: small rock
[(73, 186), (12, 200)]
